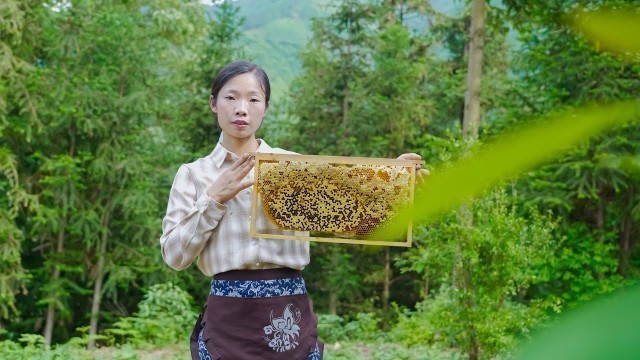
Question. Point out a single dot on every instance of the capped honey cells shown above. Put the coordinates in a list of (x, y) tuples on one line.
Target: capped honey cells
[(342, 199)]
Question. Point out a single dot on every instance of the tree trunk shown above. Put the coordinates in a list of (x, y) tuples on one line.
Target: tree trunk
[(51, 309), (386, 292), (474, 349), (333, 302), (345, 102), (600, 215), (625, 236), (51, 313), (97, 287), (427, 284), (471, 119), (345, 114), (625, 245), (333, 296), (470, 126)]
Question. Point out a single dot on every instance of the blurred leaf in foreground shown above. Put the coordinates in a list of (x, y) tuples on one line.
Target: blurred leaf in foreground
[(614, 30), (608, 328), (512, 153)]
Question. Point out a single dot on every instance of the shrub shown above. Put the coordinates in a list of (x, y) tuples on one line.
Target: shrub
[(497, 327), (364, 327), (34, 349), (330, 328), (165, 316)]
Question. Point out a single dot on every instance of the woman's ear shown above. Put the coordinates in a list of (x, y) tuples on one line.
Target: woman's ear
[(212, 104)]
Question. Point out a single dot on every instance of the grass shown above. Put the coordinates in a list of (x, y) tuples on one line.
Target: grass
[(336, 351)]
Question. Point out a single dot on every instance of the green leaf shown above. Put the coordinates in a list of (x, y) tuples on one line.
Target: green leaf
[(613, 30), (601, 330), (511, 154)]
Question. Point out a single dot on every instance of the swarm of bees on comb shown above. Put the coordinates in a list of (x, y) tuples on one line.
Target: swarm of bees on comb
[(346, 200)]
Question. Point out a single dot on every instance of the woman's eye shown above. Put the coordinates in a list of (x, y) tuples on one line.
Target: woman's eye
[(229, 97), (255, 100)]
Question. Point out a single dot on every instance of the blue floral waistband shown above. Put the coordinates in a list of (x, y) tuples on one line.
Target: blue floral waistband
[(258, 288)]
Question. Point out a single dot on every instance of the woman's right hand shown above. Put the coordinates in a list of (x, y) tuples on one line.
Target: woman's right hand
[(230, 183)]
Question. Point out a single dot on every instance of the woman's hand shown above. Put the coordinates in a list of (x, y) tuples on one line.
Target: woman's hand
[(229, 183), (420, 172)]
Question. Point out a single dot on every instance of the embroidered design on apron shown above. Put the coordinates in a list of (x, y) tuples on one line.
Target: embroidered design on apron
[(283, 332)]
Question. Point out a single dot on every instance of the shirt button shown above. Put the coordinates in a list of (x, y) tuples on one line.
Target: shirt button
[(257, 264), (253, 243)]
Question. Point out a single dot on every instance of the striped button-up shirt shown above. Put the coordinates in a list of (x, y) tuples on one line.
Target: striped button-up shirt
[(218, 234)]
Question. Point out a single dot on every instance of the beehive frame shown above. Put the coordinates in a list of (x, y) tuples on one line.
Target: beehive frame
[(407, 167)]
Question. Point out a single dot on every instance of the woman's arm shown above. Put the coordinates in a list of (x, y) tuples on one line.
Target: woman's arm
[(189, 222)]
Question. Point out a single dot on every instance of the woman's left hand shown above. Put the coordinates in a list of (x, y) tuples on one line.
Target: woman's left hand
[(421, 173)]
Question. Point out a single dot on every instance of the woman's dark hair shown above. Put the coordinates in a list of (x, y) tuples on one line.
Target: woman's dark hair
[(238, 68)]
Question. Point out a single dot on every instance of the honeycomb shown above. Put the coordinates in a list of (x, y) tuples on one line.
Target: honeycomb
[(347, 200)]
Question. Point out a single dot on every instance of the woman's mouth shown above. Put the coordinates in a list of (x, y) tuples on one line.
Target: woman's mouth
[(240, 123)]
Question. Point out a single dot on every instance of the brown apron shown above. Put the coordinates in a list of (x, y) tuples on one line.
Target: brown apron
[(257, 314)]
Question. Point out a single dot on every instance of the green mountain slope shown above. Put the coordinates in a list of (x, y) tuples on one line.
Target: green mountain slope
[(274, 33), (276, 30)]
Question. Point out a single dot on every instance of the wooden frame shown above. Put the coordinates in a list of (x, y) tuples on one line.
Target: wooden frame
[(260, 158)]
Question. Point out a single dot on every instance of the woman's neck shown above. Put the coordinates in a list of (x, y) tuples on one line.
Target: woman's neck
[(240, 146)]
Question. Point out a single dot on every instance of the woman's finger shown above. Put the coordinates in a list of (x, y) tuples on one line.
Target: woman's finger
[(241, 160), (246, 166), (246, 184), (422, 174), (409, 156)]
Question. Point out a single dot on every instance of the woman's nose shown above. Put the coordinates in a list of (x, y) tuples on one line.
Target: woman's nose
[(241, 107)]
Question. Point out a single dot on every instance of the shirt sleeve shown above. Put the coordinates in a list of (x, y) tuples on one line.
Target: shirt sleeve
[(189, 222)]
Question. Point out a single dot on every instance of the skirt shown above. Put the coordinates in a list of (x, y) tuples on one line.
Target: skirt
[(257, 314)]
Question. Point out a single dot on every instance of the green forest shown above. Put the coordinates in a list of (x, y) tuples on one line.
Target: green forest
[(101, 101)]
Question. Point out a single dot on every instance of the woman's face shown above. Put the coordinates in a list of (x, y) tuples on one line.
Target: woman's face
[(240, 106)]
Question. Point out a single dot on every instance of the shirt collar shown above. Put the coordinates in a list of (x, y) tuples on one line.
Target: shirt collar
[(220, 153)]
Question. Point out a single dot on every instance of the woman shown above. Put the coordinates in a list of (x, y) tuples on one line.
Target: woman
[(258, 306)]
